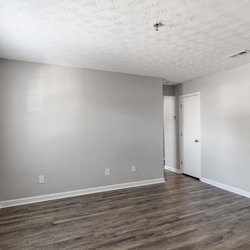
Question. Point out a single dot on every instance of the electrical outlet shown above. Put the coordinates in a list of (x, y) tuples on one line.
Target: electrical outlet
[(107, 171), (41, 179), (133, 169)]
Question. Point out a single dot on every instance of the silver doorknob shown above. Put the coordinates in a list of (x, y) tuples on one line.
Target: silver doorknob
[(196, 140)]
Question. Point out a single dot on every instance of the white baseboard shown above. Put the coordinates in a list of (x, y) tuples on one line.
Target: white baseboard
[(47, 197), (226, 187), (176, 170)]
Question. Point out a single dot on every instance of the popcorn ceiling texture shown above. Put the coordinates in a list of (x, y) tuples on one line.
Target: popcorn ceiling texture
[(197, 37)]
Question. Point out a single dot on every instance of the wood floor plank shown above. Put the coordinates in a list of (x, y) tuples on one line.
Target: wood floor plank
[(183, 213)]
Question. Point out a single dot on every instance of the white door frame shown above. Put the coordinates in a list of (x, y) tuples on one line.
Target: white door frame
[(180, 126)]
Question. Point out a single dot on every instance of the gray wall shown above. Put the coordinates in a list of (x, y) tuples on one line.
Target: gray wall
[(70, 124), (225, 125), (168, 90)]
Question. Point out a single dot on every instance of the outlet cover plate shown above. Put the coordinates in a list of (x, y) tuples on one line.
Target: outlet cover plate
[(107, 171), (41, 179), (133, 169)]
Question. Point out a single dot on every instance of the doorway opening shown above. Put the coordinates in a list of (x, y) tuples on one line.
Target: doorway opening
[(170, 134)]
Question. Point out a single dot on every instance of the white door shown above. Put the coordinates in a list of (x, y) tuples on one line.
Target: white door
[(190, 146), (170, 132)]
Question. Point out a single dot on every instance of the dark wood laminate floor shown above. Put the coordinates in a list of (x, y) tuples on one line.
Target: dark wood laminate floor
[(181, 214)]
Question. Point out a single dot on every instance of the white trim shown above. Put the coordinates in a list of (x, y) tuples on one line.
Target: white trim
[(55, 196), (191, 94), (226, 187), (180, 127), (176, 170)]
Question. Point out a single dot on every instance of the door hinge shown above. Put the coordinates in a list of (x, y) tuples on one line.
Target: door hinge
[(181, 133), (181, 106), (181, 162)]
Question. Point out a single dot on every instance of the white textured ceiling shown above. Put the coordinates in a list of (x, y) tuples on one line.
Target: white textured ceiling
[(118, 35)]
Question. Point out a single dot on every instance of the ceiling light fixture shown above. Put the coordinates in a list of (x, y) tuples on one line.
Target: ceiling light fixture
[(157, 26)]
